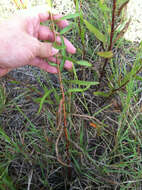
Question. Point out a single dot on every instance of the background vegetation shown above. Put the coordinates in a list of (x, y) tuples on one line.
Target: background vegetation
[(79, 129)]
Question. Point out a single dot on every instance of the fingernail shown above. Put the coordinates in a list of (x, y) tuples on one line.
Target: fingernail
[(54, 51)]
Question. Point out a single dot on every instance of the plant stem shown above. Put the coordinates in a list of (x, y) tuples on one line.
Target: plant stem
[(63, 103), (112, 24), (111, 38), (65, 118)]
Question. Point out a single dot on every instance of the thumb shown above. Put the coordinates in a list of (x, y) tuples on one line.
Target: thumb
[(46, 50)]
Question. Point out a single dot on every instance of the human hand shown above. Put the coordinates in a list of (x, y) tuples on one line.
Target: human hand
[(20, 43)]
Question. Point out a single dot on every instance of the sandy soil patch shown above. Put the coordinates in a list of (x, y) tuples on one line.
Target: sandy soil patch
[(8, 8), (134, 11)]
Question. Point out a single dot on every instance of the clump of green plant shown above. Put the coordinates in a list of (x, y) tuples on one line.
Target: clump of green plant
[(108, 26)]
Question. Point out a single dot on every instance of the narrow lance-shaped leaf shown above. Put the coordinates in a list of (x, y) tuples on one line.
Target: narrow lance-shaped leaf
[(84, 63), (95, 31), (70, 16), (103, 94), (85, 83), (66, 29), (78, 89), (106, 54)]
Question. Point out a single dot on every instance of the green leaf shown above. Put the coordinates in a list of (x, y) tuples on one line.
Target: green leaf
[(137, 77), (66, 29), (78, 89), (103, 94), (52, 64), (85, 83), (95, 31), (106, 54), (70, 16), (43, 99), (84, 63), (14, 82)]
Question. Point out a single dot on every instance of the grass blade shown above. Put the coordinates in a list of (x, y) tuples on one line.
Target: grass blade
[(43, 99)]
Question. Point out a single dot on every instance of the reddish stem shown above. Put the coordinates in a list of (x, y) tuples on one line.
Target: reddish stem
[(111, 37), (112, 24), (65, 120), (63, 103)]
